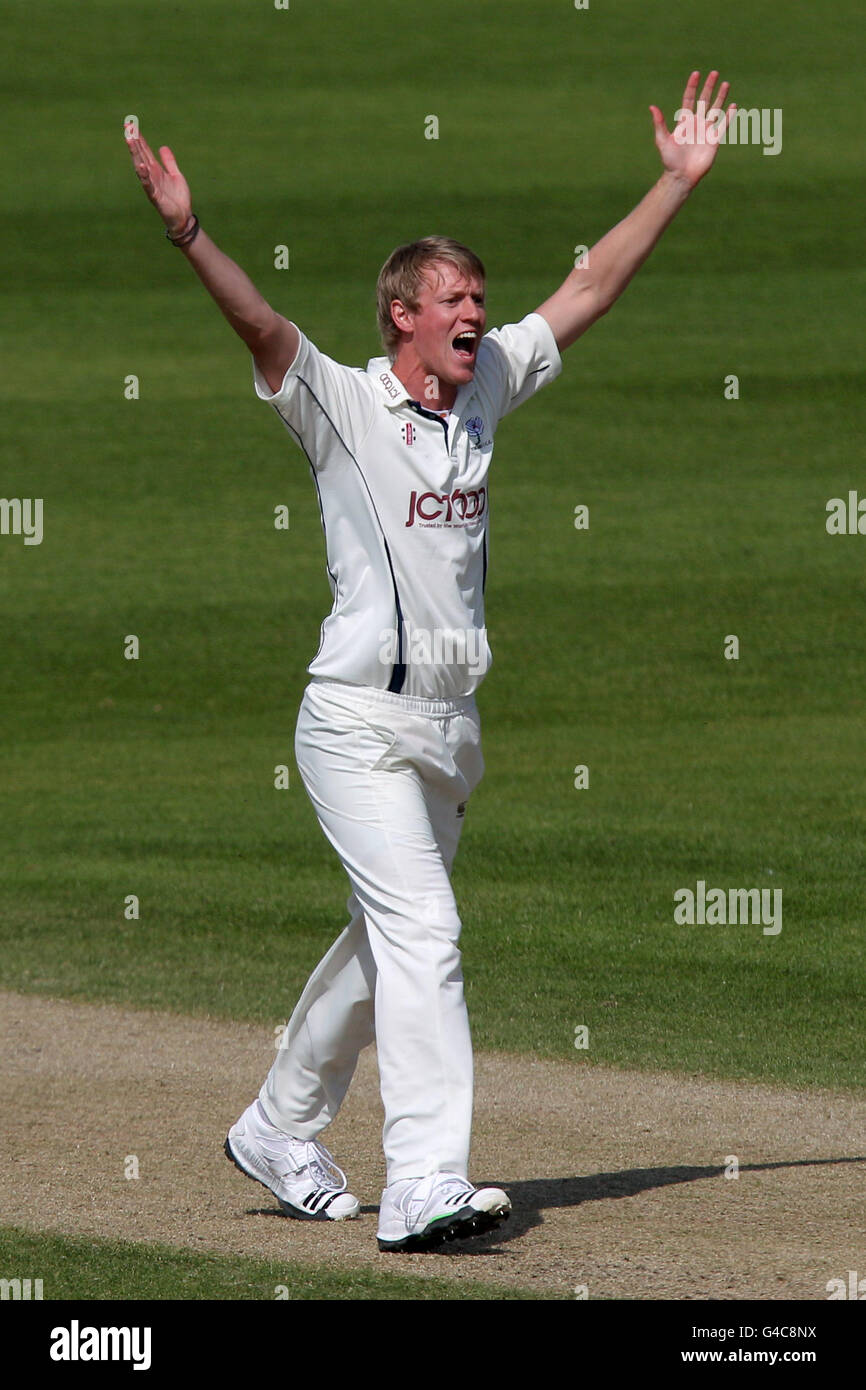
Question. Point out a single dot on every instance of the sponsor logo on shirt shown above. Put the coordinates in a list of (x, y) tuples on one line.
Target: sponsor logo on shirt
[(389, 386), (447, 508), (408, 433)]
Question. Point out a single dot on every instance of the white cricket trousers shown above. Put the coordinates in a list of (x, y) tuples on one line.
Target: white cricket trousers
[(389, 777)]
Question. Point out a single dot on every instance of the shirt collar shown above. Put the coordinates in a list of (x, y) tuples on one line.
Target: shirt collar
[(389, 387), (394, 393)]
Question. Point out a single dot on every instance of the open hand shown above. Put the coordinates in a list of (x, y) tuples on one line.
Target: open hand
[(690, 150), (163, 183)]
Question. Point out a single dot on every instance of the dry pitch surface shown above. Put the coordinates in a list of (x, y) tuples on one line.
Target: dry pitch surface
[(616, 1178)]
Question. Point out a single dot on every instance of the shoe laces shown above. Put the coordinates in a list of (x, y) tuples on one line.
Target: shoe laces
[(450, 1182), (450, 1186), (322, 1167), (415, 1198)]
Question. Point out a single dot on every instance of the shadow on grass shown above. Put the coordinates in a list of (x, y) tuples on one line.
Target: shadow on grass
[(530, 1198)]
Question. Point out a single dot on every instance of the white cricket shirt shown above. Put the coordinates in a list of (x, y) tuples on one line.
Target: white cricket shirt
[(405, 506)]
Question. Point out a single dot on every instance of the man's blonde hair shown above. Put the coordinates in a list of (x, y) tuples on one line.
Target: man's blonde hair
[(402, 277)]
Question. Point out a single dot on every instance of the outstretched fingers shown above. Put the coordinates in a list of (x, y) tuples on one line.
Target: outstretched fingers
[(719, 103), (708, 105), (142, 156), (728, 117), (168, 160), (688, 102), (706, 97)]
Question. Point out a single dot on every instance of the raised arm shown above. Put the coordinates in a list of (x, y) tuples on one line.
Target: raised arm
[(271, 339), (687, 155)]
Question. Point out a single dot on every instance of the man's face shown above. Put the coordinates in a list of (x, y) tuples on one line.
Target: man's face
[(448, 324)]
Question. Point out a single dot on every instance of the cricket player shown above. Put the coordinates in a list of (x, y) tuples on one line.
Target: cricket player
[(387, 739)]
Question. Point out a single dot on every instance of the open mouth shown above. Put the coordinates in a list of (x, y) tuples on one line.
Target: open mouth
[(465, 344)]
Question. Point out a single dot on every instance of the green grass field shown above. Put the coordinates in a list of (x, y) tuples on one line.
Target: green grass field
[(111, 1270), (155, 777)]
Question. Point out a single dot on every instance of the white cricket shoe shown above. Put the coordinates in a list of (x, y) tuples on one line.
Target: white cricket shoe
[(300, 1172), (421, 1213)]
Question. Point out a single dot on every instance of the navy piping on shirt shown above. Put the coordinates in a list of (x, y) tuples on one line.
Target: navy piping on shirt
[(398, 673)]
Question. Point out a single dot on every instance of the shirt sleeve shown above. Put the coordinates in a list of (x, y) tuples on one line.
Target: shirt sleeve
[(321, 402), (520, 358)]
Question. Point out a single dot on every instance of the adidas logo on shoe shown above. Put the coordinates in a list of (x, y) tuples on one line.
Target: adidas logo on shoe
[(418, 1214), (300, 1172)]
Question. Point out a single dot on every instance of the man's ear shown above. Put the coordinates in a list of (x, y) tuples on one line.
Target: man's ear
[(401, 316)]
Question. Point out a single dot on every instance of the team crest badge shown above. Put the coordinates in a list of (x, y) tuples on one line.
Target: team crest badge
[(475, 429)]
